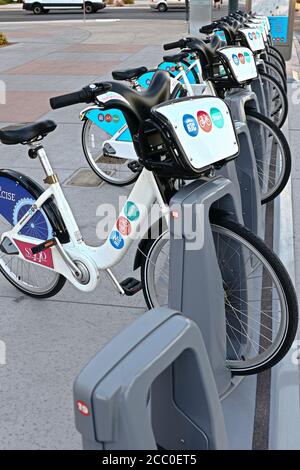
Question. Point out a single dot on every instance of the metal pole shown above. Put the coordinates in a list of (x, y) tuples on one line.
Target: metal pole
[(84, 13), (187, 10), (233, 6)]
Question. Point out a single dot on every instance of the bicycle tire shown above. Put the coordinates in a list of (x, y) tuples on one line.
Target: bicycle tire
[(281, 94), (96, 169), (272, 261), (279, 76), (285, 174)]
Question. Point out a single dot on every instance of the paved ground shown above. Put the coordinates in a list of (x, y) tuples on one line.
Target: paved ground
[(48, 342)]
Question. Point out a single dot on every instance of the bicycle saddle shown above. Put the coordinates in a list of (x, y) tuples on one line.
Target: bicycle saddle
[(207, 50), (20, 134), (142, 102), (176, 57), (129, 74)]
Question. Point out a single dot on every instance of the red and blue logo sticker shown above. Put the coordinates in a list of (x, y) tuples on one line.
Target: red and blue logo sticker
[(254, 35), (190, 124), (241, 58), (123, 225), (116, 240), (235, 59), (205, 121)]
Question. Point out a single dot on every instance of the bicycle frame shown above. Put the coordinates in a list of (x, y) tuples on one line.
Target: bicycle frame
[(60, 258)]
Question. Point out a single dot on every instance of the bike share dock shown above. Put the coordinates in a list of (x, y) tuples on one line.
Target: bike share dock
[(62, 355), (250, 413)]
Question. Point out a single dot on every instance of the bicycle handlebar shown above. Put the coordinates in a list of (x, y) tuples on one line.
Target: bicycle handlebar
[(85, 95), (209, 28), (174, 45)]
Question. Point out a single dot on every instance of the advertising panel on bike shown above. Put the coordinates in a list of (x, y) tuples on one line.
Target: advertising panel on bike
[(254, 39), (204, 128), (241, 63)]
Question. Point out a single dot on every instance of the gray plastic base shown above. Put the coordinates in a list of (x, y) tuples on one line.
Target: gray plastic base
[(165, 351)]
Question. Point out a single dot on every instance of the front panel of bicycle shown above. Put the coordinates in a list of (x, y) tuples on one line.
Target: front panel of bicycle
[(254, 39)]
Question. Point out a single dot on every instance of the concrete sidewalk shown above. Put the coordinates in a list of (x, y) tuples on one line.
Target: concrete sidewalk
[(48, 342)]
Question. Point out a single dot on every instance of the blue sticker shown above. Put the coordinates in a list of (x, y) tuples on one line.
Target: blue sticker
[(236, 60), (250, 36), (190, 124), (116, 240)]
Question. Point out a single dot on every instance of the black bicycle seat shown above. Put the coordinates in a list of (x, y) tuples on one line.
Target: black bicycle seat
[(23, 133), (129, 74), (176, 58), (207, 50), (142, 102)]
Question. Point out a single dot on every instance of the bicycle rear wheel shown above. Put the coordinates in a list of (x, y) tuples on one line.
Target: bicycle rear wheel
[(29, 277), (259, 331)]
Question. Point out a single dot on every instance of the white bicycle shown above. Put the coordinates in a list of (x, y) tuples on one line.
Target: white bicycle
[(42, 247)]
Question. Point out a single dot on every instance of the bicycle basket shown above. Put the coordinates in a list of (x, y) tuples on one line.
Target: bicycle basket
[(254, 39), (241, 63), (198, 134)]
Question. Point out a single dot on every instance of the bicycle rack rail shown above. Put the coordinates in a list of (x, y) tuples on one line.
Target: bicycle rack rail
[(242, 173), (181, 359), (163, 351), (246, 164)]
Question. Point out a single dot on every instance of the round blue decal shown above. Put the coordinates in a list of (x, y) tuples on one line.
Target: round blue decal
[(116, 240), (250, 36), (236, 60), (190, 124)]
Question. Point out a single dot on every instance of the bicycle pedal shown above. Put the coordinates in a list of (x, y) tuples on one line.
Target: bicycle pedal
[(131, 286), (43, 246), (135, 167), (108, 150)]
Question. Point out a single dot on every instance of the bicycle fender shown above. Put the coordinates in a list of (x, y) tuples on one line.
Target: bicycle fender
[(16, 187)]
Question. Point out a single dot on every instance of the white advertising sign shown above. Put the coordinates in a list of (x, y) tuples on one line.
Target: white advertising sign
[(254, 39), (204, 129), (241, 61)]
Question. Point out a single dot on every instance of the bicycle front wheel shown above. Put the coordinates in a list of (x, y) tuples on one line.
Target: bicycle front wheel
[(260, 329), (275, 72), (272, 154), (112, 169), (277, 100)]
